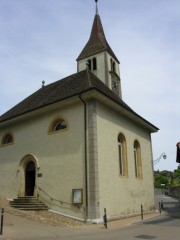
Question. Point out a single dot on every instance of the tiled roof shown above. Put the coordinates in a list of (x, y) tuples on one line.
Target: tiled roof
[(70, 86), (97, 42)]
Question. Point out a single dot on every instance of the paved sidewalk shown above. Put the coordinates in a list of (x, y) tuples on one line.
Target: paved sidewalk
[(17, 227)]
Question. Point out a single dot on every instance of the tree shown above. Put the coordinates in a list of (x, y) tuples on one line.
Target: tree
[(165, 179), (160, 179), (176, 177)]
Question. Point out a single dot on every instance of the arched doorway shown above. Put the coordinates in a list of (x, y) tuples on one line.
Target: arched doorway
[(30, 173), (27, 171)]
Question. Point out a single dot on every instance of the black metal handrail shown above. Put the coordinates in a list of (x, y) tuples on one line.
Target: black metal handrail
[(57, 200), (2, 220)]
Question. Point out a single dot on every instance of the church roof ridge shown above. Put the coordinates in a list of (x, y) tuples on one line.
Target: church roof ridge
[(67, 87), (73, 85), (97, 42)]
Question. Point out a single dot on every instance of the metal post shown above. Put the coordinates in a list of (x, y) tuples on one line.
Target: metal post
[(142, 212), (105, 218), (2, 218), (160, 207)]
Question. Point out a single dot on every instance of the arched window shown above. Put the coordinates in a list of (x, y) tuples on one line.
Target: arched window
[(123, 168), (89, 64), (7, 139), (60, 125), (137, 160), (57, 125), (113, 65), (111, 62), (94, 63)]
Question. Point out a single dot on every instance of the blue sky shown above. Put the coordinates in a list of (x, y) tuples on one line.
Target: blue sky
[(41, 39)]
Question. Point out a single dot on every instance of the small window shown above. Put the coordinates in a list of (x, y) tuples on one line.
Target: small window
[(60, 125), (122, 155), (115, 85), (137, 160), (89, 64), (57, 125), (7, 139), (113, 65), (94, 64)]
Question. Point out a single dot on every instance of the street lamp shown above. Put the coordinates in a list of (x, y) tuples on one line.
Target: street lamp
[(163, 155)]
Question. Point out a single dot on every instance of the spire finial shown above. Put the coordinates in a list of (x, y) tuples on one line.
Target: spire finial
[(96, 1), (43, 82)]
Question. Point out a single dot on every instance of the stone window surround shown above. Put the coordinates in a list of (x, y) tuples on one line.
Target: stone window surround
[(53, 124), (137, 160), (123, 164), (5, 139)]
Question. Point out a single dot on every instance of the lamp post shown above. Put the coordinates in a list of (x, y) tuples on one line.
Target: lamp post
[(163, 155)]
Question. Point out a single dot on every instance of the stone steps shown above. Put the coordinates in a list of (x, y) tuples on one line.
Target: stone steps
[(28, 204)]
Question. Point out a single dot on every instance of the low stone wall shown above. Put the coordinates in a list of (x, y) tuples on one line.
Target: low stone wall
[(159, 191), (174, 192)]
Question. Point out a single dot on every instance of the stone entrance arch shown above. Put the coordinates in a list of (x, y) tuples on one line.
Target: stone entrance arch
[(28, 168)]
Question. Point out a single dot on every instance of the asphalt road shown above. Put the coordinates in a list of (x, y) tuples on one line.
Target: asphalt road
[(163, 227)]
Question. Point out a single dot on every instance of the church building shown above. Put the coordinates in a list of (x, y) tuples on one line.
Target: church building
[(76, 145)]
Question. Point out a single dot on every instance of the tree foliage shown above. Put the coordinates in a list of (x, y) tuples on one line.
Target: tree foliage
[(165, 179)]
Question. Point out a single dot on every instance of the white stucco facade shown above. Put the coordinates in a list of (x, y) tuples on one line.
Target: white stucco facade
[(84, 155), (60, 157), (123, 195)]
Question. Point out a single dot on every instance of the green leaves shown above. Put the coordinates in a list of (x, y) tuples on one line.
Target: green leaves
[(165, 179)]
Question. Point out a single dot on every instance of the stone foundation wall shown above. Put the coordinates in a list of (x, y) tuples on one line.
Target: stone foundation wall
[(174, 191)]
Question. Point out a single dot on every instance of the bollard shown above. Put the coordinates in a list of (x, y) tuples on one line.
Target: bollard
[(2, 219), (105, 218), (160, 207), (142, 212)]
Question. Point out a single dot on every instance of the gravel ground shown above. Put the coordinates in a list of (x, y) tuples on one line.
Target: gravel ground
[(45, 217)]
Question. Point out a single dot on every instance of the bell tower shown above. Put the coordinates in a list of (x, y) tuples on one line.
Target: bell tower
[(100, 58)]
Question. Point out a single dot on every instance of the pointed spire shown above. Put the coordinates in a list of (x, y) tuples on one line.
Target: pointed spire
[(96, 7), (97, 42)]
